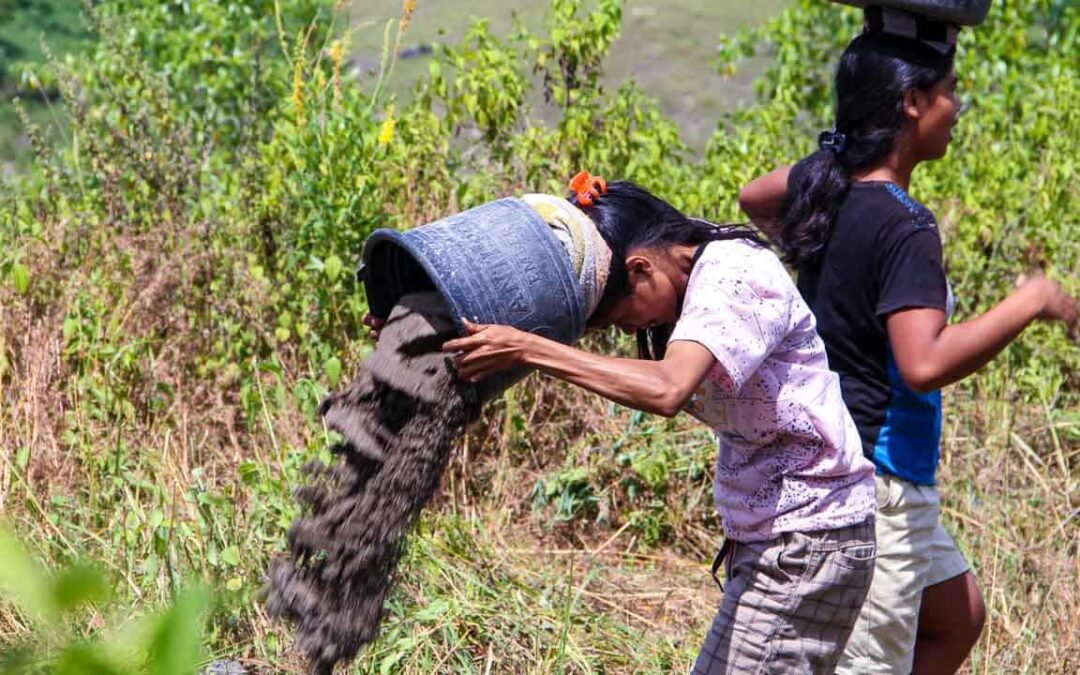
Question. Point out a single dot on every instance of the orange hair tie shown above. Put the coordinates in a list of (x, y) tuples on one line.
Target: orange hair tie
[(587, 188)]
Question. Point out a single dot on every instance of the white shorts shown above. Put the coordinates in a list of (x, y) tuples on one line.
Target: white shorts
[(913, 551)]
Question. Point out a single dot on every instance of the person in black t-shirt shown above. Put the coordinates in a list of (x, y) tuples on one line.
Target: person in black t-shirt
[(869, 264)]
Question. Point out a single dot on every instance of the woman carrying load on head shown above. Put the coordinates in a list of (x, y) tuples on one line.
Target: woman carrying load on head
[(725, 336), (869, 263)]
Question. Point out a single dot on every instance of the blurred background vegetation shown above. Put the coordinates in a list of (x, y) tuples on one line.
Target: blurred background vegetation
[(186, 185), (22, 25)]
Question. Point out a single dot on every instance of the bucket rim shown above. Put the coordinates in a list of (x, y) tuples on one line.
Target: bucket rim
[(386, 236)]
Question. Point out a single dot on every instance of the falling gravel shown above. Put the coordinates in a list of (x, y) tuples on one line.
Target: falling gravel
[(399, 419)]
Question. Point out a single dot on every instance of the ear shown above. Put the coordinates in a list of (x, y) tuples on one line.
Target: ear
[(915, 103), (638, 267)]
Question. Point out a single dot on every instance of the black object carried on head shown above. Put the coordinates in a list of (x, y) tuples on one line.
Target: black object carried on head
[(956, 12)]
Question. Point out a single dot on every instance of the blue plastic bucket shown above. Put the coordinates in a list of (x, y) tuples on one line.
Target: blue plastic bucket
[(498, 263)]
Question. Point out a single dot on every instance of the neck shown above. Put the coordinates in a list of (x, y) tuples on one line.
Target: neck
[(895, 169), (682, 263), (899, 174)]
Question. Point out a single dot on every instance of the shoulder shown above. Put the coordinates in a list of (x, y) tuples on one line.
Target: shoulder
[(917, 215), (742, 265), (907, 218), (891, 214), (737, 254), (885, 203)]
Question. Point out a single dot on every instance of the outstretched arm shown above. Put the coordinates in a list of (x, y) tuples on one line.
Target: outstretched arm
[(930, 354), (762, 200), (660, 387)]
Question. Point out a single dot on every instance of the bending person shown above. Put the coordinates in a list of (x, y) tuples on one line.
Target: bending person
[(725, 336)]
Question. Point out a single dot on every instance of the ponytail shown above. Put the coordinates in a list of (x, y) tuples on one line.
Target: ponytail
[(818, 185), (875, 72)]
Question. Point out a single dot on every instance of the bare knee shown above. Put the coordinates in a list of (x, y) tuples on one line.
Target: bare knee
[(966, 626), (976, 616), (953, 611)]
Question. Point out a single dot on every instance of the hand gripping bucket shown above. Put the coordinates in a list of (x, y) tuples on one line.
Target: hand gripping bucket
[(498, 263)]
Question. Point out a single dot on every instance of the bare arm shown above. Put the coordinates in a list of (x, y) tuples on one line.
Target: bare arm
[(931, 354), (660, 387), (762, 200)]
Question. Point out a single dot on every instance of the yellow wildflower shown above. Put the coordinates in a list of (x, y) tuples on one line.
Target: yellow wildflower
[(298, 93), (337, 53), (298, 80), (386, 129), (407, 9)]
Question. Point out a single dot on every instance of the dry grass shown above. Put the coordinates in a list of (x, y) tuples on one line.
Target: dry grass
[(513, 589)]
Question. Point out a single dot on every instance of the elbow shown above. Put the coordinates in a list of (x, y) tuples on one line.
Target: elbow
[(666, 411), (922, 379), (923, 387), (668, 402), (748, 204)]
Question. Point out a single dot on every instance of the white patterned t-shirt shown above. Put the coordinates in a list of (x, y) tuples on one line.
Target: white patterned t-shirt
[(790, 458)]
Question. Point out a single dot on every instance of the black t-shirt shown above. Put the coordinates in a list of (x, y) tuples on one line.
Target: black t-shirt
[(884, 255)]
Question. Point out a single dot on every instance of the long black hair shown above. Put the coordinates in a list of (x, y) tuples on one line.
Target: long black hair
[(874, 73), (630, 218)]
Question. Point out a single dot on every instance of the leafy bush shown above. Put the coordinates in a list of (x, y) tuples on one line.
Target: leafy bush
[(176, 297)]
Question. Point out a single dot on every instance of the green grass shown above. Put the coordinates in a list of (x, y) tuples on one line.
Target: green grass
[(668, 48), (478, 598)]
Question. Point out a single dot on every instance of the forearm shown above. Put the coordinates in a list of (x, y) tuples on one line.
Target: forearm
[(762, 200), (964, 348), (639, 384)]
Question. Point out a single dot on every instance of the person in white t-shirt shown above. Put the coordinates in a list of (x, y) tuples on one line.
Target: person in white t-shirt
[(725, 336)]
